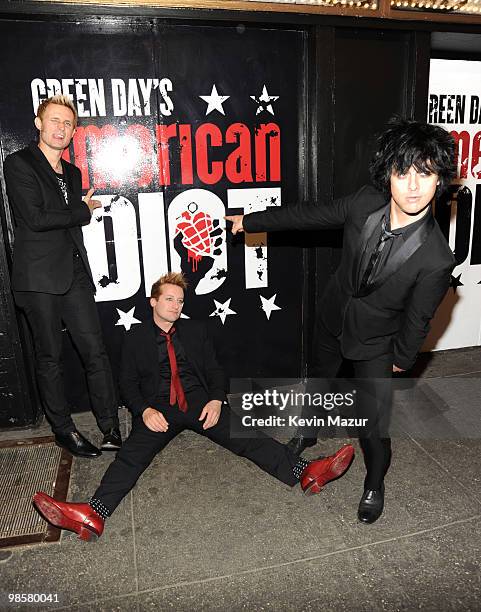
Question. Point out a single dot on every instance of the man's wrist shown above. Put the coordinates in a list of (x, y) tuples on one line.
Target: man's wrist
[(218, 395), (219, 401)]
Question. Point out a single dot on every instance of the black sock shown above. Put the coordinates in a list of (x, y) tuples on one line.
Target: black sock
[(99, 508), (300, 467)]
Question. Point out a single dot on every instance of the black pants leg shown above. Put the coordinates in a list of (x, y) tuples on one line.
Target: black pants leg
[(46, 313), (268, 454), (135, 456), (326, 354), (375, 404), (140, 448), (327, 360), (42, 311), (80, 315)]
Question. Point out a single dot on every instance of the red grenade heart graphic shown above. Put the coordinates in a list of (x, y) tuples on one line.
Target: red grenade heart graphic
[(195, 230)]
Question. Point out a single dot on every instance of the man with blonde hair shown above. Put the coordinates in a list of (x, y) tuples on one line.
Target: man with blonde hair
[(171, 381), (51, 277)]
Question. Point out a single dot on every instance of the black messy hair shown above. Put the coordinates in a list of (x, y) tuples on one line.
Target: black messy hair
[(407, 143)]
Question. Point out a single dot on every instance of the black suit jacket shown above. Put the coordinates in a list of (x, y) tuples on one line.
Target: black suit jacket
[(393, 315), (140, 373), (46, 229)]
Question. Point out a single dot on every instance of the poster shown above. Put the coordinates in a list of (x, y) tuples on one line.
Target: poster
[(455, 104), (179, 125)]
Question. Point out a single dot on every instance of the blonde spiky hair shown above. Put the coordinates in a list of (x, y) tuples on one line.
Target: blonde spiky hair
[(172, 278), (62, 101)]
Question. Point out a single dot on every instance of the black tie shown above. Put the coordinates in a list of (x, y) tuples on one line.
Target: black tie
[(368, 275)]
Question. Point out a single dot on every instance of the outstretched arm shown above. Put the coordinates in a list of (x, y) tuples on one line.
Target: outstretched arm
[(299, 217)]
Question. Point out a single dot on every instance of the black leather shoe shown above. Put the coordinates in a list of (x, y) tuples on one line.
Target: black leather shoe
[(112, 440), (371, 505), (76, 444), (298, 444)]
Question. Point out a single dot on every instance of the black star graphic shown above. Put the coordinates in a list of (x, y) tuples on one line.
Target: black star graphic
[(456, 282)]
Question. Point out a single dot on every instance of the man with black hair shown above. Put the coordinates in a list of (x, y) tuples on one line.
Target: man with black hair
[(394, 271)]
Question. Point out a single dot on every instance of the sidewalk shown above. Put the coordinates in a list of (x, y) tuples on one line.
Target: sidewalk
[(205, 530)]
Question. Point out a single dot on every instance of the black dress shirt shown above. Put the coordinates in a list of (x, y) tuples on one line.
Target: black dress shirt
[(194, 391), (383, 244)]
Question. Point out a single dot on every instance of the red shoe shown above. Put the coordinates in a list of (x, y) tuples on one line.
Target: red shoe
[(79, 518), (321, 471)]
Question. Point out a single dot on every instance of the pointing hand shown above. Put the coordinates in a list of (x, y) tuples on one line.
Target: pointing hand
[(236, 221), (92, 204)]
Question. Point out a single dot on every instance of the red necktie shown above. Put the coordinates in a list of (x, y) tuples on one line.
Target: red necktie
[(176, 391)]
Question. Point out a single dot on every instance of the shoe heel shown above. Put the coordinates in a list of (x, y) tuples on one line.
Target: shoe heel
[(84, 533), (312, 488)]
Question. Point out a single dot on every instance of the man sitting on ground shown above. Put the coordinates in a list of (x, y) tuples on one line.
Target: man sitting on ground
[(170, 379)]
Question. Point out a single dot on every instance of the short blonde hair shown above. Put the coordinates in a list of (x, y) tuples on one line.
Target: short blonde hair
[(62, 101), (172, 278)]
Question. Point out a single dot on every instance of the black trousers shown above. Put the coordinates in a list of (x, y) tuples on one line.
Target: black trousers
[(373, 402), (140, 448), (76, 310)]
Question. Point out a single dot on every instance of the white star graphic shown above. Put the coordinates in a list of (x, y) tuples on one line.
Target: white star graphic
[(222, 310), (214, 101), (127, 319), (268, 305), (264, 101)]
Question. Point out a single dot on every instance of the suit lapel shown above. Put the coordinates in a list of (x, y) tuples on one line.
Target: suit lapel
[(68, 180), (149, 348), (409, 247), (47, 171), (369, 227)]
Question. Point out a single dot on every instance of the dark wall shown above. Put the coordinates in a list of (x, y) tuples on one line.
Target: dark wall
[(374, 79), (373, 74), (18, 400)]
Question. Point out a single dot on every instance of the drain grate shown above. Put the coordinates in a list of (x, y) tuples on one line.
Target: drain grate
[(27, 466)]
